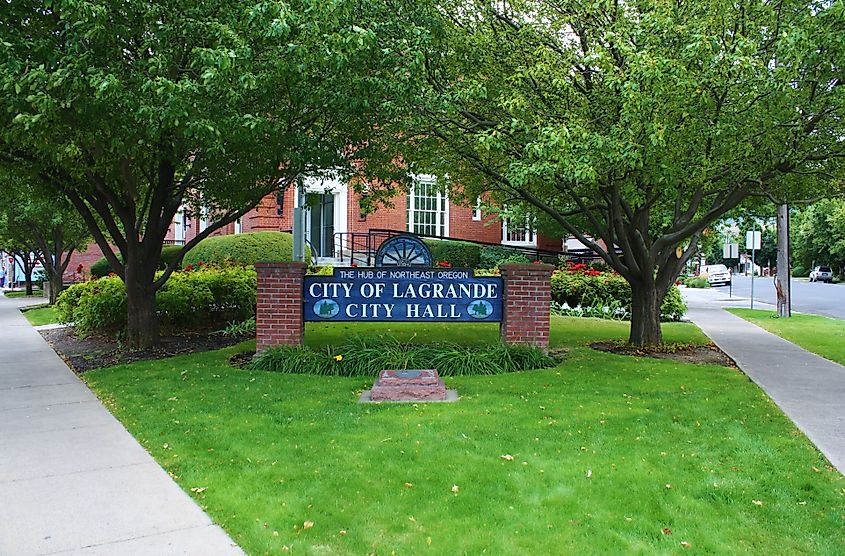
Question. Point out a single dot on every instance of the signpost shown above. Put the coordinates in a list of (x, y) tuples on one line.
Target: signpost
[(753, 241), (730, 251), (403, 294)]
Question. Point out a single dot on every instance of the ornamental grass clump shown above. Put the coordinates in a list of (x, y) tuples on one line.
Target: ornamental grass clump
[(367, 356)]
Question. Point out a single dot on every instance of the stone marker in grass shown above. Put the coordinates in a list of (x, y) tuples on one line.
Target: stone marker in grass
[(409, 386)]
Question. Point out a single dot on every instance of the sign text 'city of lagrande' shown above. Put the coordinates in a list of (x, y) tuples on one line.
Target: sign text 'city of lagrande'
[(411, 294)]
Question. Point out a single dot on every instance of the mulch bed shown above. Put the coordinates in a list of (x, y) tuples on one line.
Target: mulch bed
[(241, 360), (95, 352), (705, 355)]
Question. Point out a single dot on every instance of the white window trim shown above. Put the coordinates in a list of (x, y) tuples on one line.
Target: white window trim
[(476, 210), (532, 234), (442, 199), (238, 226)]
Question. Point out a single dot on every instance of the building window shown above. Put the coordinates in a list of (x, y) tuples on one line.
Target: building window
[(428, 208), (476, 211), (181, 226), (519, 231)]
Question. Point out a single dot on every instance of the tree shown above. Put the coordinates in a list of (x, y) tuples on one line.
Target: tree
[(632, 125), (133, 109), (44, 223), (819, 234)]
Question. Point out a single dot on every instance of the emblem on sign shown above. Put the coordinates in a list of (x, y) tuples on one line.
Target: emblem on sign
[(404, 250), (326, 308)]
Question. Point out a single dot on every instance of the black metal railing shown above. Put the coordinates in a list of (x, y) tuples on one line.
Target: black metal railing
[(366, 244)]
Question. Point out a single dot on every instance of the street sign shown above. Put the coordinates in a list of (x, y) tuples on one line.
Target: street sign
[(730, 251), (754, 239)]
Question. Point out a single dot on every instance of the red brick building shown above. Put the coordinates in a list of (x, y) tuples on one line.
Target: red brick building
[(334, 215)]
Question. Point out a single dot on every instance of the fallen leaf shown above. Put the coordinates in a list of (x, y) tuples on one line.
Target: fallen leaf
[(507, 457), (166, 446), (589, 473), (342, 533), (409, 485), (666, 531), (308, 525), (757, 502), (199, 490), (668, 485), (455, 488), (685, 544)]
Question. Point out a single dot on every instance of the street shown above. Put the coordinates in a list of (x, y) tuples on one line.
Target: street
[(817, 298)]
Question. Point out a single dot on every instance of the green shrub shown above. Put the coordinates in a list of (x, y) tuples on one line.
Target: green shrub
[(367, 356), (100, 268), (493, 256), (800, 271), (460, 254), (243, 249), (169, 253), (603, 289), (696, 282), (197, 299)]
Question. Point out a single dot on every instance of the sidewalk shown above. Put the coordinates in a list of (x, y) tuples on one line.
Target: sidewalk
[(808, 388), (72, 479)]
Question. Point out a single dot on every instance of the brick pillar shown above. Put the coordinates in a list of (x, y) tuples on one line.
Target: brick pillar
[(279, 311), (525, 304)]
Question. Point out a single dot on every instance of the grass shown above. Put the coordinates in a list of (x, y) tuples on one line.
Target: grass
[(42, 315), (820, 335), (606, 454), (22, 293)]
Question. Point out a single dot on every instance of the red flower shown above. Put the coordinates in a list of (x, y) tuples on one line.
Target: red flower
[(200, 263), (538, 262), (79, 269), (189, 267), (443, 264), (353, 264)]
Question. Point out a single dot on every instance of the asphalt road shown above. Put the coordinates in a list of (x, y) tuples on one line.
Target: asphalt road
[(816, 298)]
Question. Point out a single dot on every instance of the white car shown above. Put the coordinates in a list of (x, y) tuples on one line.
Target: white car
[(717, 274), (821, 274)]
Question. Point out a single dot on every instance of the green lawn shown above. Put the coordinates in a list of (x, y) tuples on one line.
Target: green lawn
[(610, 454), (22, 293), (42, 315), (821, 335)]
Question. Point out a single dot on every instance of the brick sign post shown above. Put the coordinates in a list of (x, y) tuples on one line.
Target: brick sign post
[(278, 311), (526, 303), (519, 300)]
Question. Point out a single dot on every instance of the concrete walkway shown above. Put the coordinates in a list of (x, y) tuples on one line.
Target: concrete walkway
[(72, 479), (808, 388)]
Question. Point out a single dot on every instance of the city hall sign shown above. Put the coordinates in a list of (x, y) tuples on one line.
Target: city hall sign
[(403, 294)]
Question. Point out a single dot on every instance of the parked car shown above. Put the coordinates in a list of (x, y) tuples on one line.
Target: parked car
[(716, 274), (821, 274)]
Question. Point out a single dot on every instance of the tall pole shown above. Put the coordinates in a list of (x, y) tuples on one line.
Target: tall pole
[(753, 245), (299, 222), (783, 281)]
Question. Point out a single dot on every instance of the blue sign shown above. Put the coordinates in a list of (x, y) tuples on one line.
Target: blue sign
[(403, 294)]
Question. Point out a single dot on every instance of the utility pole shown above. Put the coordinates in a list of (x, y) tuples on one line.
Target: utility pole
[(783, 282)]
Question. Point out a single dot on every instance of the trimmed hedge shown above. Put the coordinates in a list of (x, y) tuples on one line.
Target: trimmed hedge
[(243, 249), (493, 256), (460, 254), (168, 254), (196, 299), (598, 289)]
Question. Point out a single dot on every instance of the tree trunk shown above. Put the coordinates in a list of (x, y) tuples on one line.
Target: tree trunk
[(56, 284), (783, 277), (645, 315), (142, 320)]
